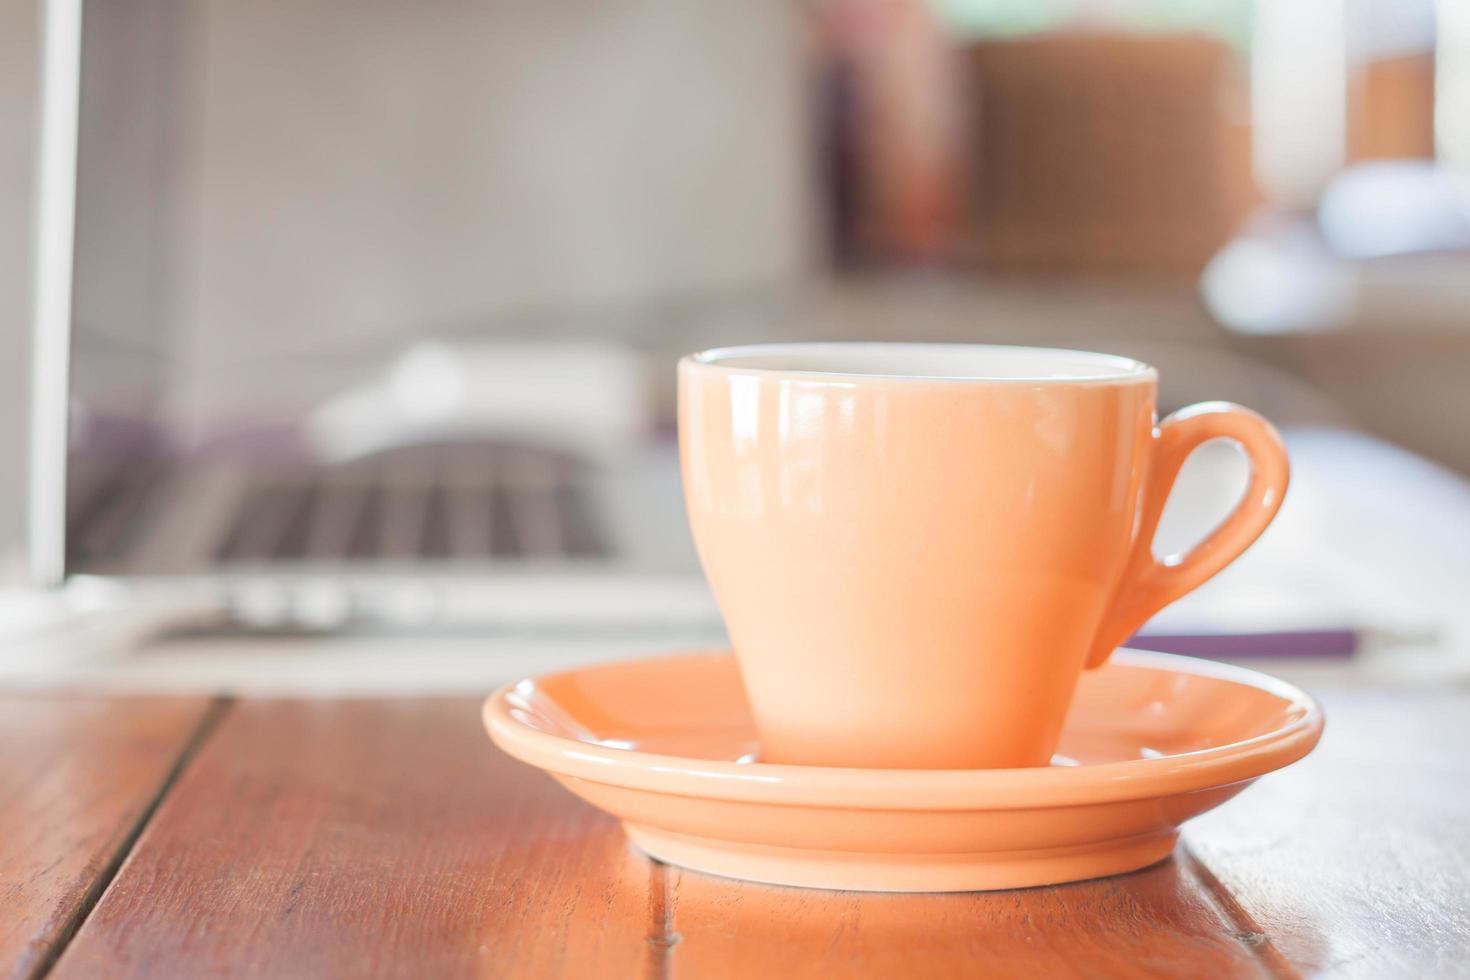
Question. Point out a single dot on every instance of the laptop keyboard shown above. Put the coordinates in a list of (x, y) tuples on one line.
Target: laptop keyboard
[(409, 506), (420, 503)]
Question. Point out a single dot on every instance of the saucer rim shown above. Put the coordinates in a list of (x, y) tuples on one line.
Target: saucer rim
[(925, 789)]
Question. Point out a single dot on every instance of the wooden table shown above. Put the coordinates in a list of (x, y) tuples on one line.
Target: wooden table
[(197, 837)]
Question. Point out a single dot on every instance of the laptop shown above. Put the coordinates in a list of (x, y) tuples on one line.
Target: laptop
[(307, 363)]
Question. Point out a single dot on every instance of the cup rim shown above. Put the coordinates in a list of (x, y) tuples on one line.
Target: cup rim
[(1103, 368)]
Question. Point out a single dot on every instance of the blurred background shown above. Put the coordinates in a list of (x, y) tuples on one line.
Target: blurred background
[(369, 325)]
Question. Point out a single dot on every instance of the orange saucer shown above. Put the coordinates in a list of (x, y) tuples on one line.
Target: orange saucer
[(666, 745)]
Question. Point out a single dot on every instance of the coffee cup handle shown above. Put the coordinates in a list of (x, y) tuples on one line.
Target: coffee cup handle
[(1147, 584)]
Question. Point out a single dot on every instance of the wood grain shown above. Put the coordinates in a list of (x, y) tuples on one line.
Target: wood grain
[(77, 776), (1357, 862), (369, 839), (373, 839), (1162, 921)]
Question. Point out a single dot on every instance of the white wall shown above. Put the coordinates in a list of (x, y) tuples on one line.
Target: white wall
[(18, 49)]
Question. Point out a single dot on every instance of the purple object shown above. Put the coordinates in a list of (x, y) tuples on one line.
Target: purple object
[(1325, 643)]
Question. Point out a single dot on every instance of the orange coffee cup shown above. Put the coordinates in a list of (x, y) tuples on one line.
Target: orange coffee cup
[(917, 548)]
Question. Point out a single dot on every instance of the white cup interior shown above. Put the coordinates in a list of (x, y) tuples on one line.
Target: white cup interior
[(936, 362)]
